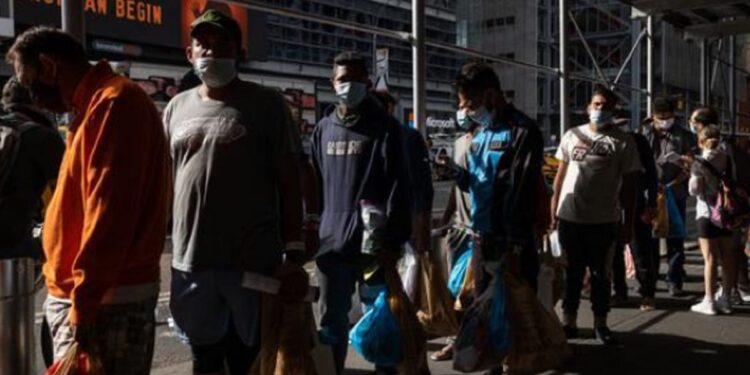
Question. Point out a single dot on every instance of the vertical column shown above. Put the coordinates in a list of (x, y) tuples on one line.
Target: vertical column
[(636, 75), (732, 97), (649, 64), (72, 19), (704, 84), (419, 61), (564, 98)]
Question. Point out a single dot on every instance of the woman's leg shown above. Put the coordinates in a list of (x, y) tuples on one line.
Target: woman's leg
[(728, 261), (709, 274)]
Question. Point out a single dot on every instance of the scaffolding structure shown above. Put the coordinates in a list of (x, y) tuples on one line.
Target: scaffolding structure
[(597, 30)]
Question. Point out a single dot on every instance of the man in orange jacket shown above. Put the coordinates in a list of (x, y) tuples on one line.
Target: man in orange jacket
[(105, 226)]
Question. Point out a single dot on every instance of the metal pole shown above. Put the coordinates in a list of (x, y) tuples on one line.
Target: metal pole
[(649, 65), (636, 45), (72, 19), (732, 97), (636, 77), (564, 99), (598, 70), (705, 99), (419, 62), (715, 67)]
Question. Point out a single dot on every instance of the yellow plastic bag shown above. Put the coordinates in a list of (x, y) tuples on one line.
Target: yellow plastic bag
[(77, 362), (661, 223), (287, 338), (414, 345), (538, 342), (466, 296), (435, 307)]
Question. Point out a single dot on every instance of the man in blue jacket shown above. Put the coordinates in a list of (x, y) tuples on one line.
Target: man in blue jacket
[(358, 153), (504, 166)]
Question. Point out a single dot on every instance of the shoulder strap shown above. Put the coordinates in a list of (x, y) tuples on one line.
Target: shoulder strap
[(715, 172), (583, 137)]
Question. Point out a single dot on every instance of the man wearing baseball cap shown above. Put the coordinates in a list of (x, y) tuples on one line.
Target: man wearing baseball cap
[(237, 204)]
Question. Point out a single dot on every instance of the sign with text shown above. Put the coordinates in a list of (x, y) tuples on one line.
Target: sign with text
[(154, 22)]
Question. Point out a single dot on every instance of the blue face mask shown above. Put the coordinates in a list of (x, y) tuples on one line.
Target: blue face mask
[(600, 119), (462, 119), (350, 94), (481, 116)]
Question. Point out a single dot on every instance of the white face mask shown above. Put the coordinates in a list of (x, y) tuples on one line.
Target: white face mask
[(350, 94), (664, 124), (215, 73)]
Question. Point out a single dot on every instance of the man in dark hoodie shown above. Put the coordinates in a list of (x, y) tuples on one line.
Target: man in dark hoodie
[(358, 153)]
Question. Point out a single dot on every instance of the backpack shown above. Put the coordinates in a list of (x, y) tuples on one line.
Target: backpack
[(11, 130), (731, 209)]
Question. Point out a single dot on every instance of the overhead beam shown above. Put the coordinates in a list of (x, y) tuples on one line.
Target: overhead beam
[(720, 29), (659, 6), (706, 14)]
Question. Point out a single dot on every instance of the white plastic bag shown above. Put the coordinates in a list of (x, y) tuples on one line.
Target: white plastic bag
[(408, 269), (554, 245)]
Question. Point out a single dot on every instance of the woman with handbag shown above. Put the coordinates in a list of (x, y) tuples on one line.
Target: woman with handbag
[(715, 241)]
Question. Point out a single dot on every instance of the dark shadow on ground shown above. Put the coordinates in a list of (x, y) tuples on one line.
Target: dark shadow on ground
[(655, 354)]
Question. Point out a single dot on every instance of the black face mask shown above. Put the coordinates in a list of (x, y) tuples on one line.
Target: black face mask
[(47, 97)]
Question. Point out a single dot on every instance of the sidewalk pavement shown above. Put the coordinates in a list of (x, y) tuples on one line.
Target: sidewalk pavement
[(669, 340)]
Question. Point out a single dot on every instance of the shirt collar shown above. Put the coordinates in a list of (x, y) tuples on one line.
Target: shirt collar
[(87, 87), (89, 84)]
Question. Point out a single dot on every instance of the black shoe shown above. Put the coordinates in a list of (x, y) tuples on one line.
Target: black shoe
[(570, 332), (618, 300), (604, 335)]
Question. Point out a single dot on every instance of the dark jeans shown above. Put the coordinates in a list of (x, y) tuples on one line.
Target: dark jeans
[(337, 280), (588, 246), (529, 264), (645, 250), (676, 252), (230, 351)]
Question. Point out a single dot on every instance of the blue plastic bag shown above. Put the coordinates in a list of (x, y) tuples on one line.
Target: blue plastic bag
[(484, 338), (458, 272), (376, 337), (676, 223)]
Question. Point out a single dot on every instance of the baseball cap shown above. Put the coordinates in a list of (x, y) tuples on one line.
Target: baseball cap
[(220, 20)]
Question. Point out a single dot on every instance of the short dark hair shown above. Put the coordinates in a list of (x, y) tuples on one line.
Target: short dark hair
[(663, 105), (14, 93), (607, 94), (477, 76), (706, 116), (46, 40), (351, 59)]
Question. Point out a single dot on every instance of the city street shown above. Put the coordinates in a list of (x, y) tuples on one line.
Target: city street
[(669, 340)]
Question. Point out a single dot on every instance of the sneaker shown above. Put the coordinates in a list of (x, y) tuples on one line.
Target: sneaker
[(744, 294), (735, 297), (723, 305), (675, 291), (604, 335), (648, 304), (706, 307), (571, 332)]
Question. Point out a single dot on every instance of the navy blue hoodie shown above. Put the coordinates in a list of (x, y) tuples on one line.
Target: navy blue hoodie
[(361, 160)]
